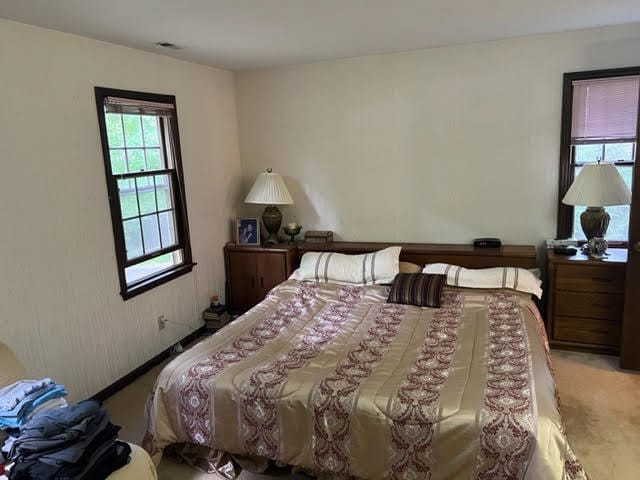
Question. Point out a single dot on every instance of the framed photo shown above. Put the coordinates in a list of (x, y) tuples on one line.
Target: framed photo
[(248, 231)]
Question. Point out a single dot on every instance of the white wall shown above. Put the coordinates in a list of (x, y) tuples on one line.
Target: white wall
[(438, 145), (60, 309)]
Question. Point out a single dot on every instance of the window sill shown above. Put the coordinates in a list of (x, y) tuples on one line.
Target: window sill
[(153, 282)]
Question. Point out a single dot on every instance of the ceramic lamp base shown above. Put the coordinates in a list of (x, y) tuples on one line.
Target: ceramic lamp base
[(272, 219), (594, 222)]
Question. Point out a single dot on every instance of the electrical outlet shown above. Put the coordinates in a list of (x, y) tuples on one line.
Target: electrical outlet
[(161, 322)]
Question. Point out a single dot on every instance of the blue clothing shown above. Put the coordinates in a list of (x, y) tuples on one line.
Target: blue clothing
[(26, 401), (58, 392), (71, 452), (71, 443), (60, 435), (12, 395), (50, 404), (34, 466), (20, 412), (60, 420)]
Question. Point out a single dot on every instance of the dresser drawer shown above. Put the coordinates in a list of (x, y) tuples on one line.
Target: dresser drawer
[(587, 330), (608, 306), (590, 278)]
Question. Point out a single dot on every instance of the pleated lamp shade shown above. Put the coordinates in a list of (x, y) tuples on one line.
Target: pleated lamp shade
[(269, 189), (598, 185)]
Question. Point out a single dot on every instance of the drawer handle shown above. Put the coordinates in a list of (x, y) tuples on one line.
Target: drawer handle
[(601, 279)]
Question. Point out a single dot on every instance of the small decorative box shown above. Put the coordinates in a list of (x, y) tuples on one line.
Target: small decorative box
[(318, 236)]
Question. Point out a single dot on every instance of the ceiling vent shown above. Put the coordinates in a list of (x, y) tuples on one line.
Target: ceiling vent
[(170, 45)]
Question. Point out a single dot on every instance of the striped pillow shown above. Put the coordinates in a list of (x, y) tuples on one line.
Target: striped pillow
[(419, 289), (368, 269), (499, 277)]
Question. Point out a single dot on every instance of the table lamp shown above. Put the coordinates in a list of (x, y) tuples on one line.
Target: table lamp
[(597, 186), (269, 189)]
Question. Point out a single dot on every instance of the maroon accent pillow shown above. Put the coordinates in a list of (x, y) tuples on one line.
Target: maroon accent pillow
[(419, 289)]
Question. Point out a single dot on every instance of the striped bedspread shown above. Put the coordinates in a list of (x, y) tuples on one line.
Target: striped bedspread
[(336, 381)]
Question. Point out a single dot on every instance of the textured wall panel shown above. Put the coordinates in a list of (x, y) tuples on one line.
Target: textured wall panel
[(60, 309)]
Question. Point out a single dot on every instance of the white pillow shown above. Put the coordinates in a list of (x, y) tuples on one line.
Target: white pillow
[(367, 269), (500, 277)]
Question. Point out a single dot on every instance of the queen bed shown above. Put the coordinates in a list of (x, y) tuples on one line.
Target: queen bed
[(334, 380)]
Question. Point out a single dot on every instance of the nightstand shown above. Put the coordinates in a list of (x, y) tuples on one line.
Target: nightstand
[(253, 270), (586, 301)]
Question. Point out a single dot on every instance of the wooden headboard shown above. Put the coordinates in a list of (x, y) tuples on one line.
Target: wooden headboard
[(523, 256)]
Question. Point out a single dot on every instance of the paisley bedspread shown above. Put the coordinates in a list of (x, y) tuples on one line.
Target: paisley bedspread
[(333, 379)]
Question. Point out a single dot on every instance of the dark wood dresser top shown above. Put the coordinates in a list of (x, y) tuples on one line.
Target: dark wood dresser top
[(616, 256)]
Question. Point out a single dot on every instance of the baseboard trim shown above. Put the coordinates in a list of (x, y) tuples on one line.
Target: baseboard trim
[(118, 385)]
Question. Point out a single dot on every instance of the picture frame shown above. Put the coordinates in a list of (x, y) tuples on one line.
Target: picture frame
[(247, 231)]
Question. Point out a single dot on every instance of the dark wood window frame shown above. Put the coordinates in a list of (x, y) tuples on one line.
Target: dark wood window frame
[(179, 197), (566, 212)]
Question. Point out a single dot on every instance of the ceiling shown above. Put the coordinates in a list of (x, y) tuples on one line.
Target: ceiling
[(245, 34)]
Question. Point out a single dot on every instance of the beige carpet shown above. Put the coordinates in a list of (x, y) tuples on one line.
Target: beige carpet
[(600, 406)]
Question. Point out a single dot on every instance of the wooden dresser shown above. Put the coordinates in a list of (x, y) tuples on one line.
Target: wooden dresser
[(586, 301), (252, 271)]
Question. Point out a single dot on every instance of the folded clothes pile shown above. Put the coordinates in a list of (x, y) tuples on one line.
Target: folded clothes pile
[(72, 443), (22, 400)]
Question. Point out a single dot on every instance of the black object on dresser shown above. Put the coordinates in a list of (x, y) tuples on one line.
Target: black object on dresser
[(487, 243), (252, 271), (586, 301)]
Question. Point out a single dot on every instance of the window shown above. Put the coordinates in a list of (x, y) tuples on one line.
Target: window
[(141, 151), (599, 123)]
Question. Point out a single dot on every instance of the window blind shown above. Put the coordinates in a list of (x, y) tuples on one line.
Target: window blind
[(605, 109), (137, 107)]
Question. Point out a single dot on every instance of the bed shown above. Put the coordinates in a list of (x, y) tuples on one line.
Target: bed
[(335, 381)]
